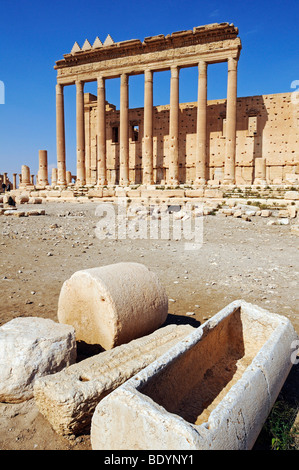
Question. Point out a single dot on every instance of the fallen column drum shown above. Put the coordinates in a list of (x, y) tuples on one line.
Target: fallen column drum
[(113, 304)]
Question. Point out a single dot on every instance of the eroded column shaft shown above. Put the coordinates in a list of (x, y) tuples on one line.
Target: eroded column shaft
[(60, 135), (81, 180), (124, 131), (201, 130), (148, 128), (173, 178), (42, 177), (231, 122), (101, 133)]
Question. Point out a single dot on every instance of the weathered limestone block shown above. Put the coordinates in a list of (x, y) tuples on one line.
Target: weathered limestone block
[(53, 193), (30, 348), (133, 193), (212, 391), (22, 199), (98, 192), (266, 213), (19, 213), (237, 213), (35, 212), (35, 200), (194, 192), (283, 213), (292, 211), (113, 304), (213, 193), (246, 207), (68, 399), (9, 212), (108, 192), (292, 195), (226, 211)]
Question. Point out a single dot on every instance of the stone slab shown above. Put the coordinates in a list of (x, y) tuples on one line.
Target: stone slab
[(68, 399), (31, 347)]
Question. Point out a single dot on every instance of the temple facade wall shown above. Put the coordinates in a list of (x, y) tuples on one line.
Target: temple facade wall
[(267, 137)]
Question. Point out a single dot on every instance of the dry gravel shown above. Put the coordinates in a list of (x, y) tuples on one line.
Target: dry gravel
[(238, 260)]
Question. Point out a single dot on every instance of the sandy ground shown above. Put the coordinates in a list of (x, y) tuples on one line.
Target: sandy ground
[(237, 260)]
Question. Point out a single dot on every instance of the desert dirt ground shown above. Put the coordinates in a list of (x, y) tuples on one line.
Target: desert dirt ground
[(237, 260)]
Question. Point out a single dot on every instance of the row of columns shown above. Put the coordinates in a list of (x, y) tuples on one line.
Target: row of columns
[(201, 135)]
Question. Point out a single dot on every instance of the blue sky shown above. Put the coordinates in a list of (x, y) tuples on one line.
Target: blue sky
[(35, 34)]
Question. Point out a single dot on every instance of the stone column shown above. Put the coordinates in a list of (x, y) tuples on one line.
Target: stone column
[(80, 133), (68, 178), (148, 128), (101, 133), (60, 135), (32, 179), (231, 122), (173, 177), (54, 177), (25, 174), (201, 130), (42, 176), (124, 131), (14, 183)]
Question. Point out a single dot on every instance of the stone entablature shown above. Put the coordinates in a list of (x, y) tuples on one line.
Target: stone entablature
[(214, 43)]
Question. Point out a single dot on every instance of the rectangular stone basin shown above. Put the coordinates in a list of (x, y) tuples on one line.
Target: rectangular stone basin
[(213, 390)]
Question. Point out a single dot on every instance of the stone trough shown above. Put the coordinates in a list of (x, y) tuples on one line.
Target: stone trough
[(114, 304), (213, 390)]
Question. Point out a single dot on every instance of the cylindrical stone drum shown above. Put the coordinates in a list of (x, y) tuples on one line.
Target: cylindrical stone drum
[(25, 174), (113, 304)]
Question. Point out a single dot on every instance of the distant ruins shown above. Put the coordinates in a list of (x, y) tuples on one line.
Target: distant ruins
[(232, 141)]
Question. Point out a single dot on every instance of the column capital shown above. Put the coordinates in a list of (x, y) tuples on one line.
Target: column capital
[(79, 84), (174, 69), (59, 88), (202, 66), (124, 78), (232, 64), (101, 81), (148, 75)]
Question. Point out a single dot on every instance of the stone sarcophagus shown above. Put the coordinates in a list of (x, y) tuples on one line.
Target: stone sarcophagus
[(213, 390)]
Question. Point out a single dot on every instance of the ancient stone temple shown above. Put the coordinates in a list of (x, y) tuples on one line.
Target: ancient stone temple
[(251, 140)]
